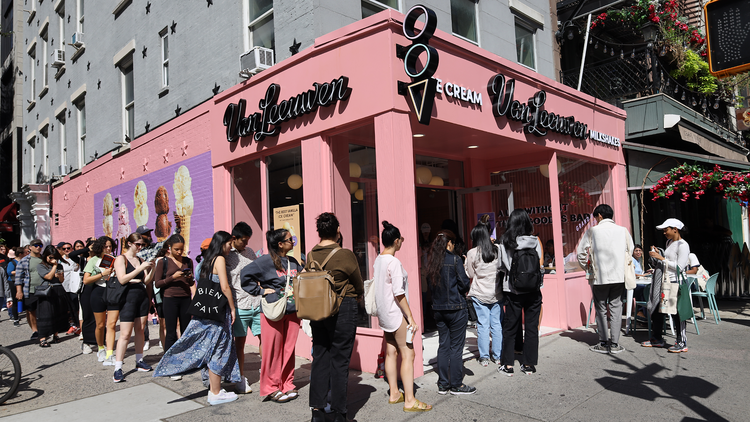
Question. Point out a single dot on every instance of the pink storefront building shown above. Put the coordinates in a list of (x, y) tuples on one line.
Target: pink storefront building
[(376, 121)]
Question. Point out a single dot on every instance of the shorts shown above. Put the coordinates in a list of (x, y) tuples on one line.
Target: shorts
[(246, 318), (30, 303), (98, 302), (136, 303)]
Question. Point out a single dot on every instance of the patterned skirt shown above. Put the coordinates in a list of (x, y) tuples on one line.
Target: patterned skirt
[(205, 345)]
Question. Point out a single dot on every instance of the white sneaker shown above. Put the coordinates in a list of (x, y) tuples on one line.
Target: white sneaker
[(86, 349), (146, 345), (221, 398), (176, 377), (109, 361), (243, 387), (100, 355), (160, 346), (80, 337)]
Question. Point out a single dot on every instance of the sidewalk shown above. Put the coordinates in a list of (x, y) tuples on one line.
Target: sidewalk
[(572, 384)]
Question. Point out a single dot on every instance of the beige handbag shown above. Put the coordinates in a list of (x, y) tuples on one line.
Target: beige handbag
[(669, 292), (629, 271), (314, 295), (276, 310)]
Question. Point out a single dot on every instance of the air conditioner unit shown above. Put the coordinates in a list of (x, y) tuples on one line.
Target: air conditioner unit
[(58, 58), (64, 170), (77, 39), (256, 60)]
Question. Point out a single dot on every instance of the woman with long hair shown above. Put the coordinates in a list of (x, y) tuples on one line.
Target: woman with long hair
[(207, 344), (267, 275), (174, 277), (449, 284), (52, 311), (93, 301), (333, 337), (482, 263), (519, 235), (676, 254), (135, 274), (395, 319)]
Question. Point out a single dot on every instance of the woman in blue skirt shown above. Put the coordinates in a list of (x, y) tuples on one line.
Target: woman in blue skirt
[(208, 344)]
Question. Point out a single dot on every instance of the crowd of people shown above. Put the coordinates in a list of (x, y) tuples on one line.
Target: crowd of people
[(81, 288)]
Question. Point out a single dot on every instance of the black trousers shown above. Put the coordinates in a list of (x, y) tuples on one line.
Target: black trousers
[(74, 321), (333, 342), (451, 327), (529, 305), (89, 322), (175, 309)]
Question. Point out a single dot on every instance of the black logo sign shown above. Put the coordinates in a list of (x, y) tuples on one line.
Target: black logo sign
[(536, 120), (271, 115), (422, 89)]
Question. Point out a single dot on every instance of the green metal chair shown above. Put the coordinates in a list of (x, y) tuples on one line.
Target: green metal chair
[(710, 295)]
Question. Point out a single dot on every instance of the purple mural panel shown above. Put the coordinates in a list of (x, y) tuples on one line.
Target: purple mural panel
[(184, 189)]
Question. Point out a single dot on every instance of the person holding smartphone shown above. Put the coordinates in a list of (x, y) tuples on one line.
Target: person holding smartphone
[(174, 274)]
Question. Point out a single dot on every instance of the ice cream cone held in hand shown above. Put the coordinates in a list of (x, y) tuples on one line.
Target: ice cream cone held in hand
[(183, 202)]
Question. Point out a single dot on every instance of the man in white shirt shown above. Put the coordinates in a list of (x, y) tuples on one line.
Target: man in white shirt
[(603, 250), (70, 288)]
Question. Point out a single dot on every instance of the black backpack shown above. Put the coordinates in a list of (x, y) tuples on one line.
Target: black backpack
[(525, 272)]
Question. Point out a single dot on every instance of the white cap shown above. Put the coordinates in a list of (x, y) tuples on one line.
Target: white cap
[(671, 222), (693, 260)]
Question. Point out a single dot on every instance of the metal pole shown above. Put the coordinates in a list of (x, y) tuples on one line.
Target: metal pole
[(585, 47)]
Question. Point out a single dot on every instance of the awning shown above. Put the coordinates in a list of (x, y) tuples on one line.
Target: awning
[(8, 216), (688, 134)]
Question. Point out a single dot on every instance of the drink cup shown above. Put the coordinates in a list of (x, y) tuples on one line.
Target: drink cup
[(409, 335)]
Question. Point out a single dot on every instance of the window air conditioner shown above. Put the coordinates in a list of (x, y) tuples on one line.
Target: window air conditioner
[(255, 60), (58, 58), (77, 39)]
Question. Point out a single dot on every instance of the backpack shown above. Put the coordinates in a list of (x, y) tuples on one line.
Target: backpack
[(525, 272), (313, 291)]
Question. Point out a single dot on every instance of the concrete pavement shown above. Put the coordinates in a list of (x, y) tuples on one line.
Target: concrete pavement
[(572, 384)]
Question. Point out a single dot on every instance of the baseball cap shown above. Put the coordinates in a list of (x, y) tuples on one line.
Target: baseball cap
[(205, 243), (143, 230), (61, 244), (36, 241), (671, 222)]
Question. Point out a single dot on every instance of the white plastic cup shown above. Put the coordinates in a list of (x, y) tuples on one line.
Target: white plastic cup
[(409, 335)]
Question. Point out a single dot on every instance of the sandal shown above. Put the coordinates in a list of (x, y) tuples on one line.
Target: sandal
[(292, 394), (44, 343), (278, 397), (419, 407), (399, 400)]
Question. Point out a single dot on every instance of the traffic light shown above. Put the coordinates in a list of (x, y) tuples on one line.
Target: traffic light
[(727, 36)]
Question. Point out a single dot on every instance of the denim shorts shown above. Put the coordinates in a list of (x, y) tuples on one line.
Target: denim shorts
[(246, 318)]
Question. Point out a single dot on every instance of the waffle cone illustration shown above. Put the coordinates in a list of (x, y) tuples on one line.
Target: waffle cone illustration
[(183, 200), (108, 208), (140, 212)]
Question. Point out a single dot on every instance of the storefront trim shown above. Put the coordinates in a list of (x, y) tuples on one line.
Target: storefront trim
[(686, 155)]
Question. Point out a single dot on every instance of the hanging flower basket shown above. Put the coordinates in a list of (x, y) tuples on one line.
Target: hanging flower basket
[(693, 180)]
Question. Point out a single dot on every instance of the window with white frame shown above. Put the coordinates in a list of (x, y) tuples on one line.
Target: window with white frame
[(464, 19), (164, 34), (80, 16), (45, 150), (128, 99), (61, 25), (63, 143), (261, 24), (371, 7), (81, 106), (32, 161), (44, 36), (32, 77), (525, 48)]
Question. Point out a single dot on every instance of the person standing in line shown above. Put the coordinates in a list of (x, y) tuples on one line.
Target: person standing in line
[(173, 276), (247, 305), (333, 337), (27, 279), (482, 263), (206, 343), (93, 301), (519, 236), (53, 307), (449, 284), (677, 254), (12, 300), (69, 266), (267, 275), (606, 246), (135, 274), (395, 319)]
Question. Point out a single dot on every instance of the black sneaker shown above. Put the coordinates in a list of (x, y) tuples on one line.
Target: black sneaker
[(443, 390), (34, 335), (505, 370), (463, 390), (118, 376), (528, 369), (16, 323)]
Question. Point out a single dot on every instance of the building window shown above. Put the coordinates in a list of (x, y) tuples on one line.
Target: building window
[(44, 37), (164, 58), (128, 101), (32, 161), (81, 133), (525, 51), (261, 24), (32, 55), (464, 19), (371, 7), (61, 24), (63, 143), (45, 151), (80, 16)]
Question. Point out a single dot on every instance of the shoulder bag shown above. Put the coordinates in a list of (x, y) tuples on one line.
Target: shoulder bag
[(629, 271), (371, 307), (43, 289), (314, 292), (209, 301), (114, 293), (276, 310)]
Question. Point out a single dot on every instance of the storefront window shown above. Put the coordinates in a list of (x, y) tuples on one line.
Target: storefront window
[(526, 188), (439, 171), (246, 202), (583, 186), (285, 199)]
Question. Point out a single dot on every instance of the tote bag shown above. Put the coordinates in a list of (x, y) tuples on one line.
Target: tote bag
[(629, 271), (209, 301), (274, 311)]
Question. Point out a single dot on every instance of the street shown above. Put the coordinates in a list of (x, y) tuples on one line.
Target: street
[(572, 384)]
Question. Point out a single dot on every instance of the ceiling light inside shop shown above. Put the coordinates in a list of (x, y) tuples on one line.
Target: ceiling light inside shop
[(418, 135), (473, 146)]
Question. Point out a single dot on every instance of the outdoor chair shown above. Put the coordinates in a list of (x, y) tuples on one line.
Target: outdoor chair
[(710, 295)]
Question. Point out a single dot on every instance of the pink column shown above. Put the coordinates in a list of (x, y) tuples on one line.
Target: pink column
[(556, 309), (394, 152), (223, 196), (317, 177), (621, 203)]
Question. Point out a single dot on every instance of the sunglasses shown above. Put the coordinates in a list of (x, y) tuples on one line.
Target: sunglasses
[(39, 245), (291, 239), (66, 248), (141, 244)]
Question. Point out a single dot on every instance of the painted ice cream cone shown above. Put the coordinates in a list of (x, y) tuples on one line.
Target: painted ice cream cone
[(140, 212), (183, 199), (107, 208)]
